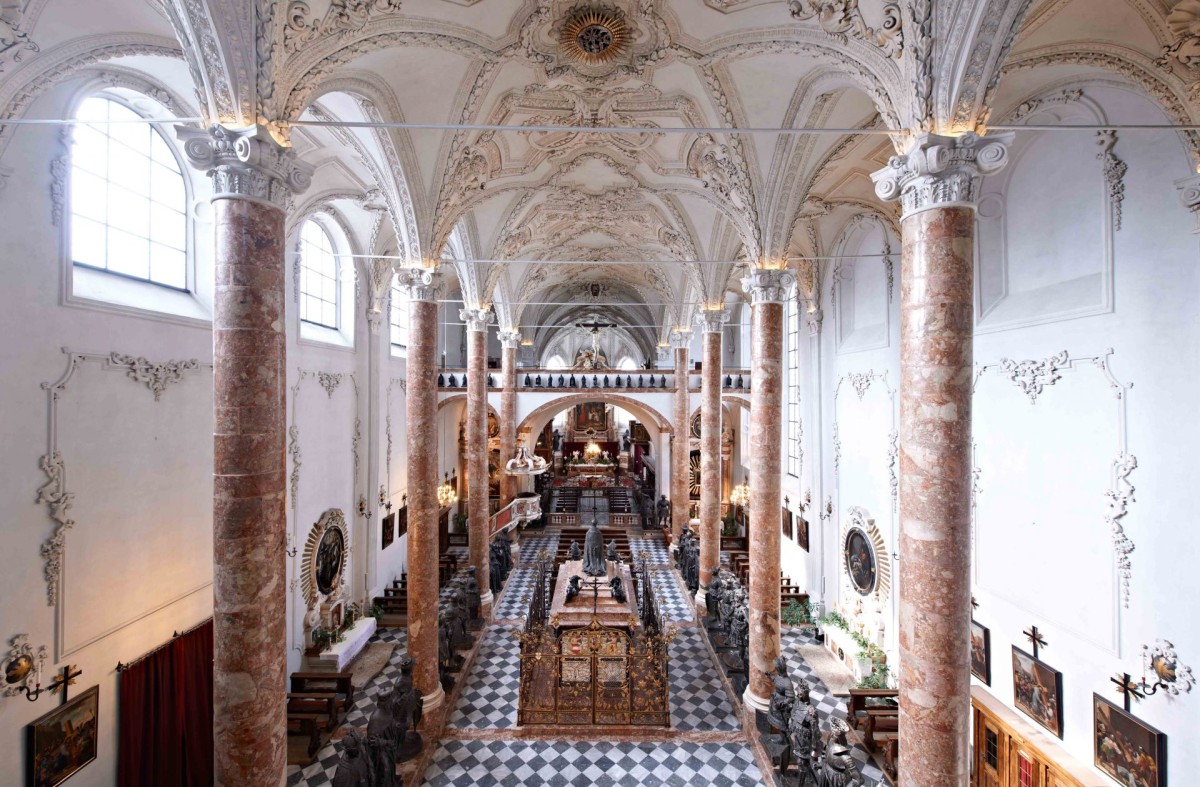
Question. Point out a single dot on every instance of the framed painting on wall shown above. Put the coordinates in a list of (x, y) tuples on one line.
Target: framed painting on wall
[(402, 521), (591, 415), (1127, 749), (1037, 690), (981, 652), (389, 530), (786, 524), (802, 532), (63, 742)]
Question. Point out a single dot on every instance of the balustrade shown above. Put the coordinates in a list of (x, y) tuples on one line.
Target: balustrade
[(641, 381)]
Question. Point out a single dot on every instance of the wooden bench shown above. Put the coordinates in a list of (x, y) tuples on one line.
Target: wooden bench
[(858, 711), (340, 683), (306, 724)]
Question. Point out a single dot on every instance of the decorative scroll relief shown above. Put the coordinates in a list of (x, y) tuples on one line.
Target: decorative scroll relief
[(893, 476), (1032, 377), (330, 381), (842, 18), (156, 375), (342, 16), (1114, 173), (1184, 50), (53, 493)]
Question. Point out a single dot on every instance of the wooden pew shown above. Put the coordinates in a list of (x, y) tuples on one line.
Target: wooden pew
[(857, 713), (339, 683)]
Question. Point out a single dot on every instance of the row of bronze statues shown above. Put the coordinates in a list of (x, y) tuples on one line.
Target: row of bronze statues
[(728, 608), (369, 759), (459, 614), (795, 738), (653, 513)]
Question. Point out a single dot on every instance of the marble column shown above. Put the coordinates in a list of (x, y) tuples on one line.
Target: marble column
[(937, 182), (252, 178), (713, 323), (422, 480), (477, 321), (509, 341), (681, 506), (767, 290)]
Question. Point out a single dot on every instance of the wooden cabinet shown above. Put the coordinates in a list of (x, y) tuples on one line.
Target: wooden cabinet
[(1011, 751)]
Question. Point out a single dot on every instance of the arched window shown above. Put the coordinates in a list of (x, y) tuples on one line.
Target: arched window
[(128, 198), (399, 316), (320, 295), (627, 364)]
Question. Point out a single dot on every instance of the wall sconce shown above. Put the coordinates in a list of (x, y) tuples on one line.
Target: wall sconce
[(363, 510), (23, 668), (827, 512), (1170, 676)]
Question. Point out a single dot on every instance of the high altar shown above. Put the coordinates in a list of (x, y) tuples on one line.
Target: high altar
[(594, 660)]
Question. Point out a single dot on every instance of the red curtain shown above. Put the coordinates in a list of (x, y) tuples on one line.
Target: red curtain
[(166, 715)]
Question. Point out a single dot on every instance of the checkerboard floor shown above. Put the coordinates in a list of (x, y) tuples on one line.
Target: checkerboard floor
[(672, 603), (826, 704), (559, 763), (698, 700), (488, 699), (365, 701), (518, 591), (531, 545), (655, 548)]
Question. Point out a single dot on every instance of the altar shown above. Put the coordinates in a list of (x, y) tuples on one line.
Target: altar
[(580, 469), (339, 655)]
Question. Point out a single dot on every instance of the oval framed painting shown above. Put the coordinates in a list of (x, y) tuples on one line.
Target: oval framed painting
[(861, 566)]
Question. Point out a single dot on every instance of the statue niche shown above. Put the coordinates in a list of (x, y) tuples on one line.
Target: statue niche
[(322, 573)]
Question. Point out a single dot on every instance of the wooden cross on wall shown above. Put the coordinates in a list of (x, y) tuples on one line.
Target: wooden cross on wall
[(64, 680), (1035, 637)]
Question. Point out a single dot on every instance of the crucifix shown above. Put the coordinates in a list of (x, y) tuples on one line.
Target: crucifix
[(1035, 637), (595, 586), (594, 328)]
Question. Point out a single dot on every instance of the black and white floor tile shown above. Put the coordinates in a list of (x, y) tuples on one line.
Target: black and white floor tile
[(654, 547), (559, 763), (532, 544), (488, 699), (518, 591), (672, 603), (698, 699), (826, 704)]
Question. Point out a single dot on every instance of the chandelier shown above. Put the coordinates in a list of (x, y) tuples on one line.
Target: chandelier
[(591, 452), (740, 496), (445, 493), (524, 464)]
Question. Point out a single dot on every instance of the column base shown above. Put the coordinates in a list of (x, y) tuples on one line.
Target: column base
[(434, 700), (486, 599), (754, 702), (702, 597)]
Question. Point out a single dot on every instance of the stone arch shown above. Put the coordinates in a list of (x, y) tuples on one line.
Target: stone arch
[(456, 398), (537, 420)]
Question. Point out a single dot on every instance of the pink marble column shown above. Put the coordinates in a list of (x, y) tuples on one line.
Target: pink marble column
[(509, 340), (681, 506), (421, 411), (937, 183), (251, 180), (767, 290), (713, 323), (477, 321)]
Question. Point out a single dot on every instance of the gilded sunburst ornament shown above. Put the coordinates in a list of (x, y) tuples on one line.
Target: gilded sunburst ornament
[(594, 36)]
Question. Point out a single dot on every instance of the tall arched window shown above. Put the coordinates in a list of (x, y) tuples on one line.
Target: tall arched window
[(128, 199), (319, 291), (399, 316)]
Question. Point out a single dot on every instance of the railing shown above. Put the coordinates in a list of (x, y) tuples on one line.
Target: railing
[(640, 381), (521, 509)]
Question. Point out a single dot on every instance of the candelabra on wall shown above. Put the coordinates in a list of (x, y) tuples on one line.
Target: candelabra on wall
[(1171, 677)]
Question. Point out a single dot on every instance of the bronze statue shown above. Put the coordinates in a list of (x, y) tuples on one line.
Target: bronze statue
[(574, 585), (618, 589), (381, 740), (612, 552), (355, 764), (663, 509), (783, 698), (594, 564), (838, 769), (573, 553)]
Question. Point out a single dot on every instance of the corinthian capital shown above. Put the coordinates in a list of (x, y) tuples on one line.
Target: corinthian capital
[(942, 172), (509, 340), (712, 320), (765, 285), (681, 339), (246, 163), (420, 283), (476, 319)]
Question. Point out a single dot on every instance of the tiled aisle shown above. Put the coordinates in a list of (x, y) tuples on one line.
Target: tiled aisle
[(480, 745)]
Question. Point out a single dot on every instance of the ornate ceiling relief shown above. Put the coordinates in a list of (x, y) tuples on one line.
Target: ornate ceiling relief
[(341, 16), (14, 42), (842, 18), (1184, 50)]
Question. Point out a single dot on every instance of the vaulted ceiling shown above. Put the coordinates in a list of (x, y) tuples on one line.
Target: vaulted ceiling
[(549, 219)]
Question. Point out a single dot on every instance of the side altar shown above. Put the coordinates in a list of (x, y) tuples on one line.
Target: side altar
[(594, 650)]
